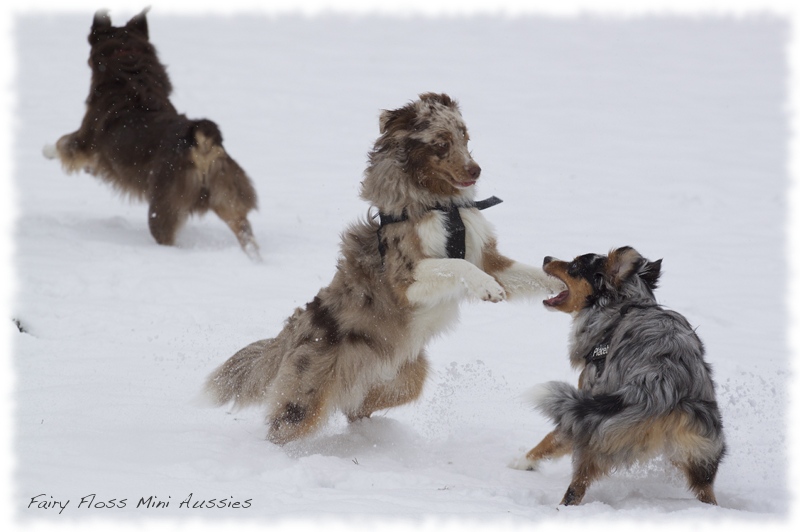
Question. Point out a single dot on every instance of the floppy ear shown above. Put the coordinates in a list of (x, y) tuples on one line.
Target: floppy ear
[(100, 25), (650, 272), (398, 119), (622, 263), (139, 23), (383, 121)]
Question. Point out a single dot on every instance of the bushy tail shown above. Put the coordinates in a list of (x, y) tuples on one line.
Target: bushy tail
[(584, 417), (576, 412), (245, 377)]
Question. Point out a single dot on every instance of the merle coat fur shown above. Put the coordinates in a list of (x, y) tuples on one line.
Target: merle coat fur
[(644, 387), (133, 138), (359, 345)]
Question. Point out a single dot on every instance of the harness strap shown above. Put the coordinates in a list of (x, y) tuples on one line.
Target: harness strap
[(456, 232), (597, 355)]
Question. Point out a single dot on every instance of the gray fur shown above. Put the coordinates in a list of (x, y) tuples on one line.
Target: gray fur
[(654, 375)]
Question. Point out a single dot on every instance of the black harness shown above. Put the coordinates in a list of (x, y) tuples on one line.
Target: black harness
[(456, 232), (597, 355)]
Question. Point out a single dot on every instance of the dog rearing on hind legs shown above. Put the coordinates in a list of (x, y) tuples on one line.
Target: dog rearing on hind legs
[(134, 139), (359, 346)]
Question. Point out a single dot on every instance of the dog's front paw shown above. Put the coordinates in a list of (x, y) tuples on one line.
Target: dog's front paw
[(49, 151), (484, 287)]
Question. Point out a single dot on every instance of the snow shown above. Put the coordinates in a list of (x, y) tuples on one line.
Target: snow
[(667, 133)]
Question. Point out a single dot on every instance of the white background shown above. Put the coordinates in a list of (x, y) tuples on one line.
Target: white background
[(669, 133)]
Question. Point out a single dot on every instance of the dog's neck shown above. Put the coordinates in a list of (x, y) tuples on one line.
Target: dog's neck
[(593, 330)]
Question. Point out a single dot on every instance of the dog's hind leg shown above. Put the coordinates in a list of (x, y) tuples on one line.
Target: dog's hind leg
[(300, 394), (700, 476), (553, 445), (164, 220), (297, 418), (238, 223), (232, 195), (585, 471), (404, 388)]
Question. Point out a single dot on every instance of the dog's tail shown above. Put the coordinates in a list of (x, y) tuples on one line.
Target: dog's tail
[(577, 412), (245, 377), (584, 417)]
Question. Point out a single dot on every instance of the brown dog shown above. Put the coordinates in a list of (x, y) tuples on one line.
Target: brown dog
[(134, 139)]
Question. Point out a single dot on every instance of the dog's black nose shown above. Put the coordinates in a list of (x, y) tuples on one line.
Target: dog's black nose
[(547, 260), (474, 171)]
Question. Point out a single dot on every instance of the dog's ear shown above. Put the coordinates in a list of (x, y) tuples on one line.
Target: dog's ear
[(650, 272), (100, 25), (622, 263), (139, 23), (383, 121), (399, 119)]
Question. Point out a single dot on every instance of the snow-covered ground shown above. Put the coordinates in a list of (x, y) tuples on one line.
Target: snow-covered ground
[(666, 133)]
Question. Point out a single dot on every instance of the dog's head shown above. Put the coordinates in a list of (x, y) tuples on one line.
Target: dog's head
[(428, 140), (118, 50), (596, 279)]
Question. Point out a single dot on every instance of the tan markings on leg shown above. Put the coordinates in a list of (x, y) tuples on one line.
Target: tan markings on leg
[(406, 387), (585, 472), (699, 483), (493, 261), (553, 445)]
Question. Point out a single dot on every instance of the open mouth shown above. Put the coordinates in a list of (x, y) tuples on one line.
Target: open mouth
[(562, 296), (464, 184), (557, 299)]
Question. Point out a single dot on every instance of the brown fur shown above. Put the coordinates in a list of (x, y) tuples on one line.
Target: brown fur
[(645, 441), (359, 345), (133, 138)]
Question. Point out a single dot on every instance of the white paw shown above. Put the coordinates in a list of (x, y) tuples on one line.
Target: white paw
[(484, 287), (251, 250), (50, 151), (523, 464)]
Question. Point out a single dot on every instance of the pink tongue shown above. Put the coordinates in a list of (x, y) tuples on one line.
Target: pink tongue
[(555, 300)]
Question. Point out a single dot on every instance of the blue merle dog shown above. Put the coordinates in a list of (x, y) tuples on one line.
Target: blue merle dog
[(644, 387)]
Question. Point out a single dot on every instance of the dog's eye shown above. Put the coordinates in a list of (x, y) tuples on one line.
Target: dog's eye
[(573, 270), (442, 148)]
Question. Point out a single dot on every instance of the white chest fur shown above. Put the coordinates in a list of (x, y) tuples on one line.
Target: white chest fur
[(432, 232)]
